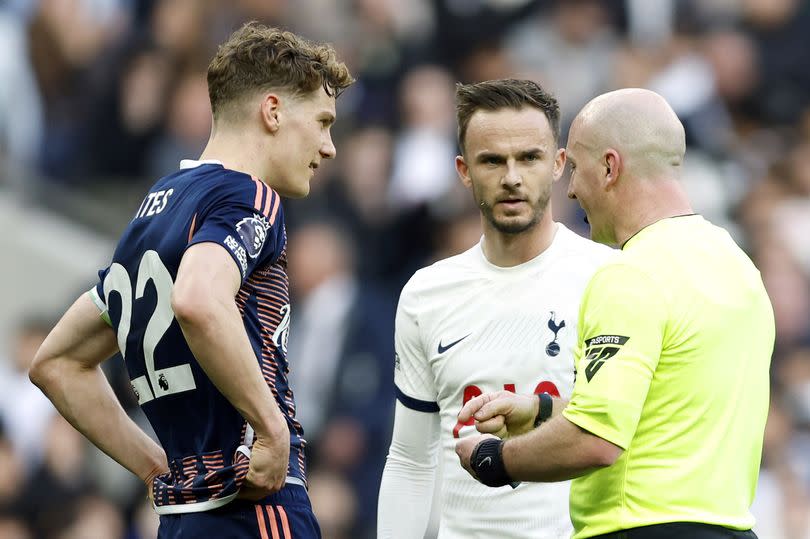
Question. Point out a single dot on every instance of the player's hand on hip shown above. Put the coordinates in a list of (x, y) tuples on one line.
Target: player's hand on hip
[(269, 458), (162, 467), (464, 450), (502, 413)]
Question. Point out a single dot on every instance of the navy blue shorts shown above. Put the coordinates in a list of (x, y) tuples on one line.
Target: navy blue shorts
[(287, 514)]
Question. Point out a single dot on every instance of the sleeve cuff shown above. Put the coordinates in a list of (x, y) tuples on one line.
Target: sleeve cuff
[(416, 404), (102, 307), (597, 429)]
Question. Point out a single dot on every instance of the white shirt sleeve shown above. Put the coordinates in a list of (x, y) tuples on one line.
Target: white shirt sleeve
[(413, 376), (406, 491)]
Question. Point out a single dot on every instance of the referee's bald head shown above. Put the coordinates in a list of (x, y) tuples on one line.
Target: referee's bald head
[(637, 123)]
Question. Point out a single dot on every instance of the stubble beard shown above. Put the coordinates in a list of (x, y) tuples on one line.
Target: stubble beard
[(512, 225)]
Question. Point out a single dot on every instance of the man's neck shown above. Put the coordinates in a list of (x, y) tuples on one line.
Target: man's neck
[(235, 153), (508, 250), (661, 199)]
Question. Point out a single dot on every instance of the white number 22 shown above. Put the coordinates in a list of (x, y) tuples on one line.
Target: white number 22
[(161, 382)]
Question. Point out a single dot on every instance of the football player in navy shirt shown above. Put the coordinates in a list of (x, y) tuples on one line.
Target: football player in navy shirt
[(196, 300)]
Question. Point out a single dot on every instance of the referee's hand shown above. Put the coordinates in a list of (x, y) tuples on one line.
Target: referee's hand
[(503, 413)]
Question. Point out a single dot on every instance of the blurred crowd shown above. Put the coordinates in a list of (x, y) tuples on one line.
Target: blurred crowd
[(99, 98)]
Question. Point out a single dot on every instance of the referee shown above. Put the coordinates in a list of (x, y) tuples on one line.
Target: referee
[(664, 429)]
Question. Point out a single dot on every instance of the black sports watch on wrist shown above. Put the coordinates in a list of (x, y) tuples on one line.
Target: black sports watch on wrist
[(545, 409)]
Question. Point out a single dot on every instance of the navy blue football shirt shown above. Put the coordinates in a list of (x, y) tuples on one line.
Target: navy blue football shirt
[(206, 440)]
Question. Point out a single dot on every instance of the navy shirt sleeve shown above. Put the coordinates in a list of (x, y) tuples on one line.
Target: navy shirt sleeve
[(247, 220)]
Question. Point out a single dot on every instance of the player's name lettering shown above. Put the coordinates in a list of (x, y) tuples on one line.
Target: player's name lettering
[(154, 203), (606, 339)]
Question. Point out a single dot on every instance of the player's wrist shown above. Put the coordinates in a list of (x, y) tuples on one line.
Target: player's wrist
[(272, 428), (487, 463)]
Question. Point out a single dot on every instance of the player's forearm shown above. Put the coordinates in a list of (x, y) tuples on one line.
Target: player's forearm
[(407, 483), (216, 335), (406, 492), (84, 397), (556, 451), (556, 406)]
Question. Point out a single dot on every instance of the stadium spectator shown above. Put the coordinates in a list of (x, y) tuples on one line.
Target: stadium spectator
[(24, 411), (340, 339)]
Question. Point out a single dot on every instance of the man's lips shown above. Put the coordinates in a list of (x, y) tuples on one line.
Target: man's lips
[(509, 202)]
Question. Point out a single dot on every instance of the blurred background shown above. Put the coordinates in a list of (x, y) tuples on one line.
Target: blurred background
[(99, 98)]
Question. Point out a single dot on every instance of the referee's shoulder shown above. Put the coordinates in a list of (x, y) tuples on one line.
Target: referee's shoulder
[(623, 266)]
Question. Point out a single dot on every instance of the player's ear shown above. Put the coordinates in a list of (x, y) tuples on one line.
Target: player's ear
[(559, 164), (463, 171), (270, 106)]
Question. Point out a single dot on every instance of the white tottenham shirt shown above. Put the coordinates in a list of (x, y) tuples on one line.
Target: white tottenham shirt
[(464, 327)]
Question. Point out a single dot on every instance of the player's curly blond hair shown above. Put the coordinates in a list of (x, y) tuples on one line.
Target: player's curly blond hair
[(258, 57)]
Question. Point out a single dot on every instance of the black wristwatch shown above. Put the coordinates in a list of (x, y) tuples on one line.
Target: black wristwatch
[(545, 409)]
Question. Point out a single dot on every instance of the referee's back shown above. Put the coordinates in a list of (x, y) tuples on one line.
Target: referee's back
[(693, 448)]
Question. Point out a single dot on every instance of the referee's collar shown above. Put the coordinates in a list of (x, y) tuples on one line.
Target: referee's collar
[(653, 223)]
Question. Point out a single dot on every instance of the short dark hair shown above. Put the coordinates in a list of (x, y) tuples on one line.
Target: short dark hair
[(500, 94), (258, 57)]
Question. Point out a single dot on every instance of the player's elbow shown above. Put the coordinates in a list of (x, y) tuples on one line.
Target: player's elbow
[(191, 306), (43, 371)]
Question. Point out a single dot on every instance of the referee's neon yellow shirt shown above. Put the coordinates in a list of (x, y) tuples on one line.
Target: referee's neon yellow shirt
[(675, 344)]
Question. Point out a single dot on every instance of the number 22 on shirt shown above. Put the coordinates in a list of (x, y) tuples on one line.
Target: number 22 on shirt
[(161, 382)]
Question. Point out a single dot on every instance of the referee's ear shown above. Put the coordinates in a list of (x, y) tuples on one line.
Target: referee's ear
[(613, 167)]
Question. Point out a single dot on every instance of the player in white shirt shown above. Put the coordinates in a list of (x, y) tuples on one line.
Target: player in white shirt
[(501, 316)]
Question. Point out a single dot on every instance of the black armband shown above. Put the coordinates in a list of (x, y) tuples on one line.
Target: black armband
[(546, 407), (487, 463)]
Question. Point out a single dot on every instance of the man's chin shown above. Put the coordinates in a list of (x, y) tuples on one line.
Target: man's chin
[(294, 191), (513, 225)]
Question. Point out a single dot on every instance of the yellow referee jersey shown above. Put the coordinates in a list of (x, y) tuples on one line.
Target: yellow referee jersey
[(675, 344)]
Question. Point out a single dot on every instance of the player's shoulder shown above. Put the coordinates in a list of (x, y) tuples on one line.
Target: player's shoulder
[(443, 273), (223, 183), (215, 185), (586, 252)]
